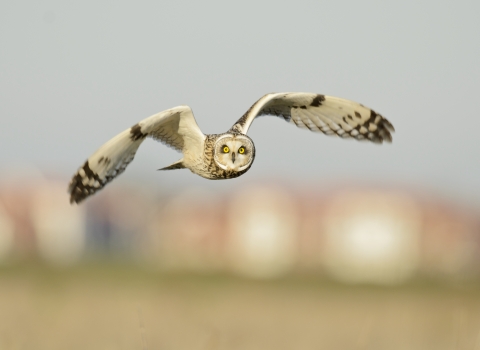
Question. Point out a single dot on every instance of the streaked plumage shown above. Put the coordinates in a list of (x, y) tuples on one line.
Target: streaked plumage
[(231, 154)]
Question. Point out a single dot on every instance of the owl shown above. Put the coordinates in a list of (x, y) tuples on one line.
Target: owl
[(231, 154)]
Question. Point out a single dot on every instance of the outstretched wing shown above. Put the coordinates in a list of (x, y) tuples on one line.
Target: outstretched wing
[(326, 114), (174, 127)]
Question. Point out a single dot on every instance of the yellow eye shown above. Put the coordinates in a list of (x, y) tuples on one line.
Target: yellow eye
[(226, 149), (241, 150)]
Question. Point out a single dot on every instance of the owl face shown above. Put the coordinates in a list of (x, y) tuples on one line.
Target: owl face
[(234, 152)]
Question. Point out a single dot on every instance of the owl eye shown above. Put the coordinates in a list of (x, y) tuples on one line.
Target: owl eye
[(241, 150), (226, 149)]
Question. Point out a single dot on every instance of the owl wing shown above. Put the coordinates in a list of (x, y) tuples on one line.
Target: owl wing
[(174, 127), (320, 113)]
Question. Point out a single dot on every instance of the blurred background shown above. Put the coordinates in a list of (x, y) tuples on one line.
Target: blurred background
[(324, 243)]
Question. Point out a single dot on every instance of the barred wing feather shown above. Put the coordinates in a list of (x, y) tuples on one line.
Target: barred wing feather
[(174, 127), (327, 114)]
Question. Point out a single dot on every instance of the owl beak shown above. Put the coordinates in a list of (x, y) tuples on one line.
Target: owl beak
[(233, 157)]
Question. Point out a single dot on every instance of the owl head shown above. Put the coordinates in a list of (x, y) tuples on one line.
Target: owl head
[(234, 152)]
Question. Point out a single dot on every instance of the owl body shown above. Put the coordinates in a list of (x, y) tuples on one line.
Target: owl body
[(230, 154)]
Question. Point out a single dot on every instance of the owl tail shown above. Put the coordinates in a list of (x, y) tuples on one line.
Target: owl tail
[(177, 165)]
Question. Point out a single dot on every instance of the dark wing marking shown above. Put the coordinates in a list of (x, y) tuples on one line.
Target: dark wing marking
[(327, 114), (175, 127)]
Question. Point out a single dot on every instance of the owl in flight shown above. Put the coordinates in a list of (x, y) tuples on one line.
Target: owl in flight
[(231, 154)]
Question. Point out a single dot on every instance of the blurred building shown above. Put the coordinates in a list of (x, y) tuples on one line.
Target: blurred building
[(187, 232), (267, 230), (35, 222), (371, 236), (59, 229), (262, 231), (7, 234)]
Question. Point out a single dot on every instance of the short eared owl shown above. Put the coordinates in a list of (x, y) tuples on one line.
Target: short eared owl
[(231, 154)]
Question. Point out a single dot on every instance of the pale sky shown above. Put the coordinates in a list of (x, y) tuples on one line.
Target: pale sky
[(74, 74)]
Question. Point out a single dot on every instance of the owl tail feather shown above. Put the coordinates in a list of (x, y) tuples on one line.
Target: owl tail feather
[(177, 165)]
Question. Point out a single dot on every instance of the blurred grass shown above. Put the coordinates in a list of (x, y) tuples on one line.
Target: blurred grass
[(106, 305)]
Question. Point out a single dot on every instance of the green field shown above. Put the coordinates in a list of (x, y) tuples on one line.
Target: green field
[(107, 306)]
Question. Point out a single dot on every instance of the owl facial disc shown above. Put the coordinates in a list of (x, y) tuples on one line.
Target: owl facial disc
[(234, 152)]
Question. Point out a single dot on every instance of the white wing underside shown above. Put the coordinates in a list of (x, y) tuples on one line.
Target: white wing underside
[(175, 127), (320, 113)]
